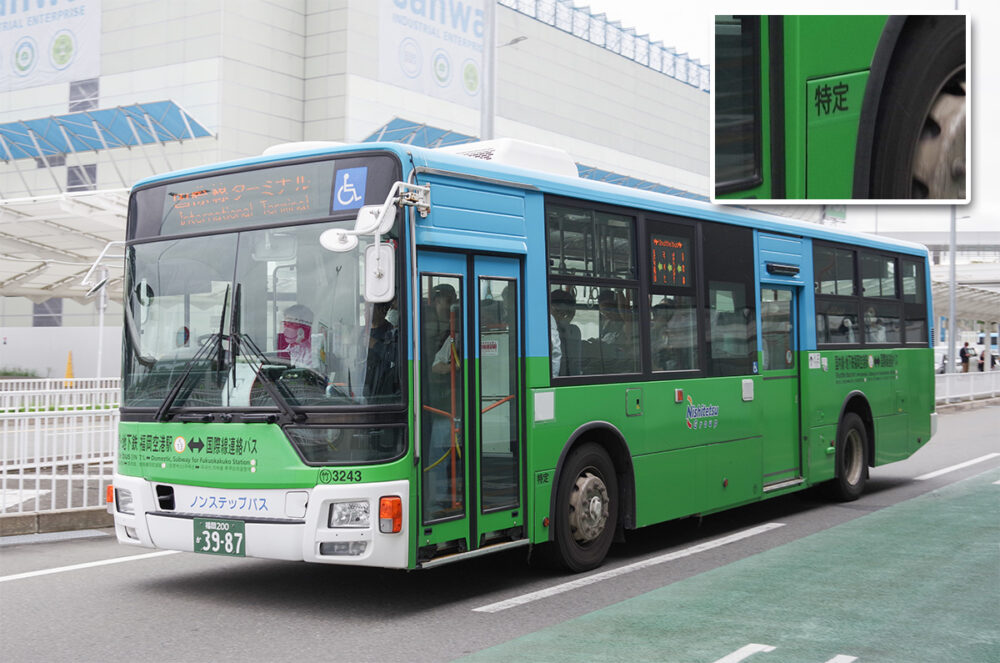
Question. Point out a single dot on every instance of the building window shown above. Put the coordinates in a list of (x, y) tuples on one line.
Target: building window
[(81, 178), (84, 95), (48, 313)]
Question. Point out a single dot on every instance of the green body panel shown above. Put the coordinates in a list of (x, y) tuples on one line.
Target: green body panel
[(781, 450), (894, 402), (833, 110), (712, 428), (819, 47), (726, 457)]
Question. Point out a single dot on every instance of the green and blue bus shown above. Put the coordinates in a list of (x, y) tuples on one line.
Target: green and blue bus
[(391, 356), (841, 107)]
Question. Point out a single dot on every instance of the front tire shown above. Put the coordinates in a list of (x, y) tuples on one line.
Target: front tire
[(586, 509), (851, 460)]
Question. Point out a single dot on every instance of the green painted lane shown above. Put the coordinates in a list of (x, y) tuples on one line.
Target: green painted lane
[(917, 581)]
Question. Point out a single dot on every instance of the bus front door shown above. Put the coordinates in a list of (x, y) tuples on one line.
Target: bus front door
[(780, 387), (469, 405)]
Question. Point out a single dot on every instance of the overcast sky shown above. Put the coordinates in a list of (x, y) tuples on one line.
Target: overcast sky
[(688, 28)]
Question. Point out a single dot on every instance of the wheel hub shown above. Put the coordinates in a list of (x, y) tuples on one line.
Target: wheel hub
[(939, 160), (588, 514)]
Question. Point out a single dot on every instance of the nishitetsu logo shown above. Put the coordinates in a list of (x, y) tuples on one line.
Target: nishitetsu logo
[(701, 415)]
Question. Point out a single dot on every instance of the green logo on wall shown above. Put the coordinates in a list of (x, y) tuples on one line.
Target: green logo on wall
[(470, 77), (62, 50)]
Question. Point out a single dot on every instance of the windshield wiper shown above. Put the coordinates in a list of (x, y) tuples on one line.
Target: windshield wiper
[(204, 352), (234, 332), (213, 341), (272, 387)]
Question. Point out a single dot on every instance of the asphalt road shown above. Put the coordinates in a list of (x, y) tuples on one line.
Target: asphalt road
[(808, 581)]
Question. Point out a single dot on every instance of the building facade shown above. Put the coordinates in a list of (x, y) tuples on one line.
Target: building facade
[(97, 94)]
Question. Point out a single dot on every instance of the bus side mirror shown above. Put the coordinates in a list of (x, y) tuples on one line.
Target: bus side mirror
[(374, 219), (380, 273)]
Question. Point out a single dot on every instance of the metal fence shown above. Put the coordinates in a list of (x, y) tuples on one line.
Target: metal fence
[(57, 443), (955, 387)]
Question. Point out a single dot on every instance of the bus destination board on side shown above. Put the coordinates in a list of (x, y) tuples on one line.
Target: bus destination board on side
[(670, 260)]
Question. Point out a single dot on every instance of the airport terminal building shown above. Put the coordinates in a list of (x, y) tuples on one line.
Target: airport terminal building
[(98, 94)]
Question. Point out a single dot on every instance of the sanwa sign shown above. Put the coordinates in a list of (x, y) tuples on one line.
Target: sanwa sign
[(434, 47)]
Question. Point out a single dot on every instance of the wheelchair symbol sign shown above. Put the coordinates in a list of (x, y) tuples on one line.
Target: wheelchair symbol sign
[(349, 188)]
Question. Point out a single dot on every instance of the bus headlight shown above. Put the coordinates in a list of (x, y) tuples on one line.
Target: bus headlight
[(350, 514), (123, 500)]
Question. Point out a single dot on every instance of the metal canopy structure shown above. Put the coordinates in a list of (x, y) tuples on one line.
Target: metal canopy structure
[(970, 303), (49, 242), (89, 131), (399, 130)]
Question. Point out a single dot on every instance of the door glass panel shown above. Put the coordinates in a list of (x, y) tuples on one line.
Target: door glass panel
[(442, 392), (673, 332), (776, 325), (498, 389)]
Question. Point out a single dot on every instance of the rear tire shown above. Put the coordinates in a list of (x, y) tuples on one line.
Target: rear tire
[(851, 460), (919, 144), (586, 509)]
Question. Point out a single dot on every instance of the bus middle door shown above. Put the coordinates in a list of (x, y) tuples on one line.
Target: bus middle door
[(470, 424), (780, 387)]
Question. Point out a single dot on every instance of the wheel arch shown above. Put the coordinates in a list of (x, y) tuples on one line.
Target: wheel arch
[(857, 403), (610, 438)]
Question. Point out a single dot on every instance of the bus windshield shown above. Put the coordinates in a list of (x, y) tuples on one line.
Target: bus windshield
[(211, 320)]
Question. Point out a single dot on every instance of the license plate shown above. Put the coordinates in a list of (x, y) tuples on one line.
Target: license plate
[(220, 537)]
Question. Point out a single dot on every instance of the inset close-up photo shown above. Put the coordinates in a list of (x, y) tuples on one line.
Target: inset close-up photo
[(856, 107)]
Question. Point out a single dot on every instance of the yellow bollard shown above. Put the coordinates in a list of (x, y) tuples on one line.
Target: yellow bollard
[(68, 382)]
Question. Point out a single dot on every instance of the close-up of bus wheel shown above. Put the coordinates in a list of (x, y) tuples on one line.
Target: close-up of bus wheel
[(586, 508), (919, 149), (851, 460)]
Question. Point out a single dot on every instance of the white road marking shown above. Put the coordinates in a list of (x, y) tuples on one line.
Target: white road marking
[(744, 653), (931, 475), (12, 498), (87, 565), (842, 658), (622, 570)]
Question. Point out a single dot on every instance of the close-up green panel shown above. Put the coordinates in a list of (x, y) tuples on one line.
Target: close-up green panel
[(833, 107)]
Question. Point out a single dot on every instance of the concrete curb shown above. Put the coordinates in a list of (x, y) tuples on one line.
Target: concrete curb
[(958, 406), (56, 521)]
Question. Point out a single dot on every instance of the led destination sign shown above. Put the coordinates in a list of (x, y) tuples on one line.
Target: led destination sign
[(272, 195), (670, 260), (248, 198)]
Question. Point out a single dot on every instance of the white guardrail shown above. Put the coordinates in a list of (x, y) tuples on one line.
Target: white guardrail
[(57, 443), (955, 387), (58, 437)]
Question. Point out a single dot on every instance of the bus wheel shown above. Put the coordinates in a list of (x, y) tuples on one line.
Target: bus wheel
[(587, 508), (851, 460), (920, 149)]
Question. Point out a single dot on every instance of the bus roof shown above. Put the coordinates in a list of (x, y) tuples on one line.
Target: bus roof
[(569, 187)]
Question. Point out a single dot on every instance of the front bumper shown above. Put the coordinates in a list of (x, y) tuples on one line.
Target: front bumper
[(288, 524)]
